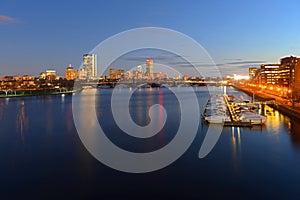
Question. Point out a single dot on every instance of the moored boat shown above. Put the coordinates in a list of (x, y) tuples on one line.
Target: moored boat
[(253, 118), (216, 110)]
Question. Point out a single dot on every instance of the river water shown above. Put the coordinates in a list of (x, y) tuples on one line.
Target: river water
[(41, 154)]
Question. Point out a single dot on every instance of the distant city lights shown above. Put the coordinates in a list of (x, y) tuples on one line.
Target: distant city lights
[(240, 77)]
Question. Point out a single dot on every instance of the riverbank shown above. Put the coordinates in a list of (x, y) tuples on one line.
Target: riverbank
[(282, 105), (28, 93)]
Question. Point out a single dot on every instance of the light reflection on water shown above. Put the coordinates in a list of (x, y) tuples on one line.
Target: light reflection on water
[(276, 122), (236, 146), (261, 159), (22, 120)]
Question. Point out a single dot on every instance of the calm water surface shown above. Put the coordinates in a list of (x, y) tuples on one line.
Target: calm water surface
[(42, 156)]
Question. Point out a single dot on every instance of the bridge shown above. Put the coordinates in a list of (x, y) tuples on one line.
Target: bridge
[(135, 83)]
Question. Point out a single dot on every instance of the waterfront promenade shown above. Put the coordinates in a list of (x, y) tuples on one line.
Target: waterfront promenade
[(282, 104)]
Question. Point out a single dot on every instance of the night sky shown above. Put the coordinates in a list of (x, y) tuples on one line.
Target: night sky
[(39, 35)]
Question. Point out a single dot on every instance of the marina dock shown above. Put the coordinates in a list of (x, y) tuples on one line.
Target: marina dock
[(231, 116), (238, 124)]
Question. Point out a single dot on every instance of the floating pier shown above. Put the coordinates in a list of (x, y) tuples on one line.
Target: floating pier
[(236, 120), (239, 124), (247, 119)]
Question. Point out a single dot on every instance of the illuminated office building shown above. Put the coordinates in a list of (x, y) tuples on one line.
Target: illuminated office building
[(252, 71), (116, 73), (291, 75), (149, 68), (90, 65), (112, 73), (284, 76), (270, 74)]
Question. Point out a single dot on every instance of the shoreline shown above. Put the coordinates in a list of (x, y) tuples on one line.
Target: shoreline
[(31, 93), (280, 105)]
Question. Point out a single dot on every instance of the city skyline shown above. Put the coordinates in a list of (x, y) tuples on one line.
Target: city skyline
[(237, 35)]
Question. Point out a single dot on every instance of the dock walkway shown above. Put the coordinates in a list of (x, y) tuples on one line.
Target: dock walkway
[(235, 120)]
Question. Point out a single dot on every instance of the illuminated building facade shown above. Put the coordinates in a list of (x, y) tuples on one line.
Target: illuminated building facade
[(149, 68), (270, 74), (285, 77), (116, 73), (50, 74), (90, 65), (112, 73), (121, 73), (70, 73), (291, 75), (252, 71), (42, 75)]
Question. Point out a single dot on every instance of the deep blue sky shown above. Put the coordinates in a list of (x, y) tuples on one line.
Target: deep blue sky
[(36, 35)]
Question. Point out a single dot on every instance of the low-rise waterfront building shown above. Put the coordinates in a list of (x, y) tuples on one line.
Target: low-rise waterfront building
[(282, 78), (252, 72)]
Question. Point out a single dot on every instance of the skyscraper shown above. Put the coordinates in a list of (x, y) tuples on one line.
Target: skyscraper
[(90, 65), (149, 68)]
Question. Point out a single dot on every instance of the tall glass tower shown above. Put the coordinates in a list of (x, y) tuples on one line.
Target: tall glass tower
[(149, 68), (90, 65)]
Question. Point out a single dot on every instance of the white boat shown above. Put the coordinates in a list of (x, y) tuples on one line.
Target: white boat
[(216, 110), (253, 118), (217, 119)]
